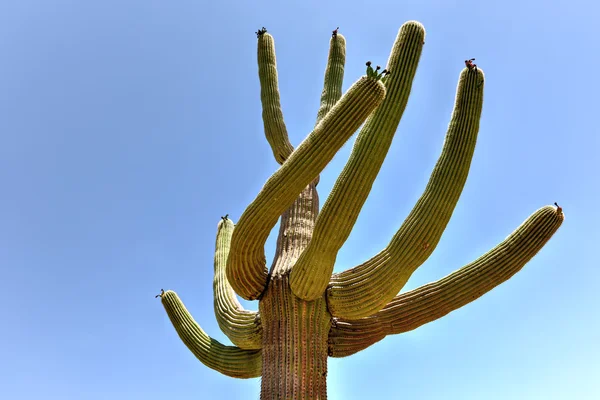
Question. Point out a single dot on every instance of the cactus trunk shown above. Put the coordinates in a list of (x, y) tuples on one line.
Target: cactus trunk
[(295, 340)]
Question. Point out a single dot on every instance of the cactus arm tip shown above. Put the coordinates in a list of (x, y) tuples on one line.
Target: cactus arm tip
[(559, 210)]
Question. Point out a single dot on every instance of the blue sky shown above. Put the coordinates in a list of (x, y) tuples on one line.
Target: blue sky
[(129, 127)]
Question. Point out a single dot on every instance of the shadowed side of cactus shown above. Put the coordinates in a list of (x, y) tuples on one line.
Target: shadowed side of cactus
[(305, 312)]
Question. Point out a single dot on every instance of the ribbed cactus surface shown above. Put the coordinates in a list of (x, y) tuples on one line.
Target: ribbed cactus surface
[(306, 313)]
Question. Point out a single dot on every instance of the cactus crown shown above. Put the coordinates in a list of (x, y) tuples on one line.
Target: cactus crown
[(375, 74), (261, 32)]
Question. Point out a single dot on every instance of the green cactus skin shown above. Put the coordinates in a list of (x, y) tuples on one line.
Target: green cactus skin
[(287, 342), (334, 75), (334, 78), (367, 288), (228, 360), (246, 269), (242, 327), (312, 272), (297, 222), (295, 350), (275, 129), (295, 230), (427, 303)]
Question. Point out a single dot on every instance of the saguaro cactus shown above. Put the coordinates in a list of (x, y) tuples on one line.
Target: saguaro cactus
[(305, 313)]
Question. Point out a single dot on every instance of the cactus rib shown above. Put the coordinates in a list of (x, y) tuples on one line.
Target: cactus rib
[(246, 270), (295, 230), (312, 272), (275, 129), (429, 302), (241, 326), (367, 288), (228, 360)]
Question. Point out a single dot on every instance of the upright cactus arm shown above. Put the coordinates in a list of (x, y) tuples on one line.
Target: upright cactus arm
[(417, 307), (228, 360), (334, 75), (367, 288), (242, 327), (312, 272), (275, 129), (334, 78), (246, 269)]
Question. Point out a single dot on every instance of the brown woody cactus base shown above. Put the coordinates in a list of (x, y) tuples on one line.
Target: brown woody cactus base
[(306, 313)]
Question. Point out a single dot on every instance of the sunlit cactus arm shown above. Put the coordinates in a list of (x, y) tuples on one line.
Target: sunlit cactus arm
[(228, 360), (241, 326), (334, 75), (417, 307), (367, 288), (312, 272), (246, 269), (275, 129), (334, 78)]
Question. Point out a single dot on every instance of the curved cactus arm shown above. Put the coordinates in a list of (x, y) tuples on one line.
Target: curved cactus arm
[(275, 129), (228, 360), (334, 75), (367, 288), (417, 307), (246, 270), (242, 327), (312, 271)]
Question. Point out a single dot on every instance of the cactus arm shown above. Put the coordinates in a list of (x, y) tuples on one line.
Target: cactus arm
[(367, 288), (228, 360), (298, 221), (429, 302), (312, 272), (275, 129), (334, 78), (334, 75), (242, 327), (246, 269)]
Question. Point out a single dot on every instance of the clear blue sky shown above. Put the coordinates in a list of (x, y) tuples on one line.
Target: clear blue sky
[(128, 128)]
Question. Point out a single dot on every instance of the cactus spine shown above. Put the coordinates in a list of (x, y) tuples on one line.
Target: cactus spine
[(307, 314)]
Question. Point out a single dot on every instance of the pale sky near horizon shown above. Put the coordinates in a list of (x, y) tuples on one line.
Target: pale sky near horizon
[(129, 127)]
